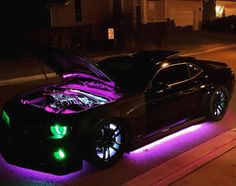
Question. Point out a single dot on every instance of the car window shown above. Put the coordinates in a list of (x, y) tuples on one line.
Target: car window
[(172, 74), (194, 70)]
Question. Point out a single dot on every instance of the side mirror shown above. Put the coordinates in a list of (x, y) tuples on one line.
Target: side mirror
[(159, 88)]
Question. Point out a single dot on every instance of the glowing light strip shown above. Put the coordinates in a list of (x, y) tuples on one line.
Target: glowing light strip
[(96, 91), (168, 138), (88, 76)]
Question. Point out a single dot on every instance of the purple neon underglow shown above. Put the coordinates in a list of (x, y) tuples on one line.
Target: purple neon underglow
[(183, 141), (168, 138)]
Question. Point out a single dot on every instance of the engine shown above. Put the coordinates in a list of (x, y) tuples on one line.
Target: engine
[(61, 101), (65, 101)]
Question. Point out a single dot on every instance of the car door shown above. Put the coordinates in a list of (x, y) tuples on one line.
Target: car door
[(199, 78), (169, 101)]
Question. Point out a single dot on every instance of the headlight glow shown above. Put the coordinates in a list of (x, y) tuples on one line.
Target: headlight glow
[(6, 118), (58, 131), (59, 154)]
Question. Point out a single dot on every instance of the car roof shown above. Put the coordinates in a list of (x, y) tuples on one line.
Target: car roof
[(155, 53), (150, 58)]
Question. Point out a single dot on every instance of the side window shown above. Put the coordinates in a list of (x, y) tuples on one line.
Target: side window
[(194, 70), (172, 74)]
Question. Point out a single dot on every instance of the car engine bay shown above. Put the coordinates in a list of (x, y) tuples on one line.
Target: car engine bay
[(71, 97)]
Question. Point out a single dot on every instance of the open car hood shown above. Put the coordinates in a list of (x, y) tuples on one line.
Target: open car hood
[(67, 64)]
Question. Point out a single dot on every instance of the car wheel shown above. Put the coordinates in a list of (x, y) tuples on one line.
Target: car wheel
[(219, 102), (107, 144)]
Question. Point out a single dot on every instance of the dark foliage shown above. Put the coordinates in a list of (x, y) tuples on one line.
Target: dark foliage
[(222, 24)]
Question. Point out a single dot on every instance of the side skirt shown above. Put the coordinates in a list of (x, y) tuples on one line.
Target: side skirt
[(163, 133)]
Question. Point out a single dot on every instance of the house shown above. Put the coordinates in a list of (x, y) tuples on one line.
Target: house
[(182, 12), (123, 23), (71, 13)]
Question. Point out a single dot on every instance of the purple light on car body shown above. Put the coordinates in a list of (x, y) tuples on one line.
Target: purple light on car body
[(102, 97), (87, 76), (168, 138), (83, 94), (105, 88), (103, 93)]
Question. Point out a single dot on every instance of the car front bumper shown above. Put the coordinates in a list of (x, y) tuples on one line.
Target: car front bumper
[(32, 152)]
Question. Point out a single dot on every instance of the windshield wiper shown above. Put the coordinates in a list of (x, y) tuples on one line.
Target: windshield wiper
[(45, 75)]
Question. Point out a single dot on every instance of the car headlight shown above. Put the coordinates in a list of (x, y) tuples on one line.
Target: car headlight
[(6, 118), (59, 154), (59, 131)]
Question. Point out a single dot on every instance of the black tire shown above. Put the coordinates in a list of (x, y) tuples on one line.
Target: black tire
[(107, 144), (218, 105)]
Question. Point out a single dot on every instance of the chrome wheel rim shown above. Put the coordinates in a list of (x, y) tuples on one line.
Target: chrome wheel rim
[(108, 141), (219, 103)]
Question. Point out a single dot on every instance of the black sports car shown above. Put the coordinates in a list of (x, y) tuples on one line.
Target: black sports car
[(98, 112)]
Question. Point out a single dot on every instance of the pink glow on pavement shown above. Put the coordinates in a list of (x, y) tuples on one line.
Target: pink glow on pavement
[(141, 157), (168, 138)]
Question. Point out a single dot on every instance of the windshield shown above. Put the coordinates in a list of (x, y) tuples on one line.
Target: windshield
[(131, 74)]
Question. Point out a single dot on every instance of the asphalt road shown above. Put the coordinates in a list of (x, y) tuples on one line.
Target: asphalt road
[(132, 164)]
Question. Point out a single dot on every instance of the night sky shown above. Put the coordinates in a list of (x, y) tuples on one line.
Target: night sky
[(24, 13)]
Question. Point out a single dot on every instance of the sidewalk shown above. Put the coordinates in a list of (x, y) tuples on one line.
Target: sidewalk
[(218, 172), (211, 163)]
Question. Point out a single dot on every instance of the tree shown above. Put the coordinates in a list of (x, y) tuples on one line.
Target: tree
[(209, 12)]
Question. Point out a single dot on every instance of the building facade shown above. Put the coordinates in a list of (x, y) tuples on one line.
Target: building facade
[(182, 12), (71, 13)]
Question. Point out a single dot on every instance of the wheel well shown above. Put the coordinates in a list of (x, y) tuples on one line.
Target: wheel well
[(214, 117)]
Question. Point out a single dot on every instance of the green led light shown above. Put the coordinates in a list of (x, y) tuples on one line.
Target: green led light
[(59, 155), (58, 131), (6, 118)]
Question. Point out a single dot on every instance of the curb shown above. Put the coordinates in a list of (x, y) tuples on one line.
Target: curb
[(182, 165), (52, 75)]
